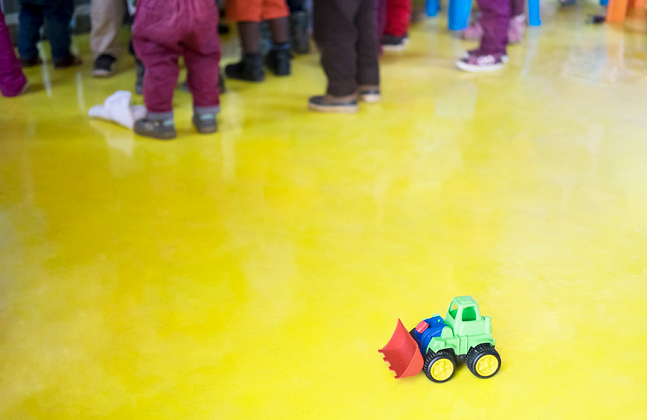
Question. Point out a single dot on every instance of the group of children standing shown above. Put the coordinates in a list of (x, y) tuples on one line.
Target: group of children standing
[(349, 34)]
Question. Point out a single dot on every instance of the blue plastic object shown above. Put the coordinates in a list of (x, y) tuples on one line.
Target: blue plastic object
[(604, 2), (436, 325), (459, 13), (533, 12), (432, 7)]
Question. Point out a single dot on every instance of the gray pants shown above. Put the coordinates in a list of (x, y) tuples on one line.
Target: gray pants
[(106, 18)]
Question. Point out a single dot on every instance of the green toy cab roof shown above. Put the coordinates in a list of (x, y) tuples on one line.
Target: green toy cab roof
[(464, 301)]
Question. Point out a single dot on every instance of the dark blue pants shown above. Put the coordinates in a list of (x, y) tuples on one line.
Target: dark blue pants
[(295, 5), (58, 14)]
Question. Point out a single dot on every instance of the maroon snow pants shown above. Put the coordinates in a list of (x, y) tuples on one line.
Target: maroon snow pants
[(12, 79), (495, 19), (163, 31)]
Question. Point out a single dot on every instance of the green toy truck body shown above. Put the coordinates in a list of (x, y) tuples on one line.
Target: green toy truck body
[(436, 344), (464, 329)]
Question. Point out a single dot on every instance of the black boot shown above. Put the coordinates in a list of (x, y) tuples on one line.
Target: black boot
[(250, 68), (278, 60), (299, 25)]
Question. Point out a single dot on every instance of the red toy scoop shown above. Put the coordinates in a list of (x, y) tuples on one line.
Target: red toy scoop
[(402, 353)]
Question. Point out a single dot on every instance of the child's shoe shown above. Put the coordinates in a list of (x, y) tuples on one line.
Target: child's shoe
[(158, 129), (299, 37), (71, 61), (504, 57), (516, 28), (369, 93), (475, 62), (278, 60), (338, 104), (31, 62), (205, 123), (250, 68), (473, 32), (104, 66), (393, 43)]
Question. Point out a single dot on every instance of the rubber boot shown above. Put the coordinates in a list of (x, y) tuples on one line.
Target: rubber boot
[(278, 61), (250, 68), (300, 38)]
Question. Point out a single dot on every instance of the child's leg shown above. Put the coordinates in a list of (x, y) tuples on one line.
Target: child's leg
[(337, 37), (398, 17), (368, 67), (517, 21), (160, 78), (279, 30), (248, 15), (107, 17), (12, 79), (379, 11), (202, 58), (299, 27), (276, 12), (495, 18), (250, 36), (295, 5), (278, 59), (58, 24), (517, 7), (31, 20)]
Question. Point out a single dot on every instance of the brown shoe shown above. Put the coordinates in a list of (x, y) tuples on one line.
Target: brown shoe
[(71, 61), (31, 62), (369, 93), (329, 103)]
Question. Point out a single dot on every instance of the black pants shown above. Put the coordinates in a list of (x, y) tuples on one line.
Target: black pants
[(345, 34)]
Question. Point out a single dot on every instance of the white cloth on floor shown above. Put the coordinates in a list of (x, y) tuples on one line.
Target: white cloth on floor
[(117, 109)]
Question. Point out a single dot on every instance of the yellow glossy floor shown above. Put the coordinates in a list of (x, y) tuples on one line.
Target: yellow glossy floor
[(253, 274)]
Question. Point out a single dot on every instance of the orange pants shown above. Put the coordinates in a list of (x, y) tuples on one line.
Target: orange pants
[(256, 10)]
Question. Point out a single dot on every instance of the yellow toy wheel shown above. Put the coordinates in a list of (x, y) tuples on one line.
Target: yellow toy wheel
[(439, 367), (483, 361)]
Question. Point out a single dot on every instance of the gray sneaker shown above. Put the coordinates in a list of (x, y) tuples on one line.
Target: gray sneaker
[(158, 129), (205, 123), (104, 66)]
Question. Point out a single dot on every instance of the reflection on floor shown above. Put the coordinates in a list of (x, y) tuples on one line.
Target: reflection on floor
[(253, 274)]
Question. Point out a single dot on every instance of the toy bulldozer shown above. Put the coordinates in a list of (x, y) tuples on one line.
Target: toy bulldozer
[(436, 344)]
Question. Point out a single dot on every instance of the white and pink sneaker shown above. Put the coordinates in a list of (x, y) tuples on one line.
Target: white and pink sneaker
[(479, 63)]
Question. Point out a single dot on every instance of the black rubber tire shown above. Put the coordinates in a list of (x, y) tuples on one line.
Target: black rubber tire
[(432, 358), (412, 332), (475, 354)]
